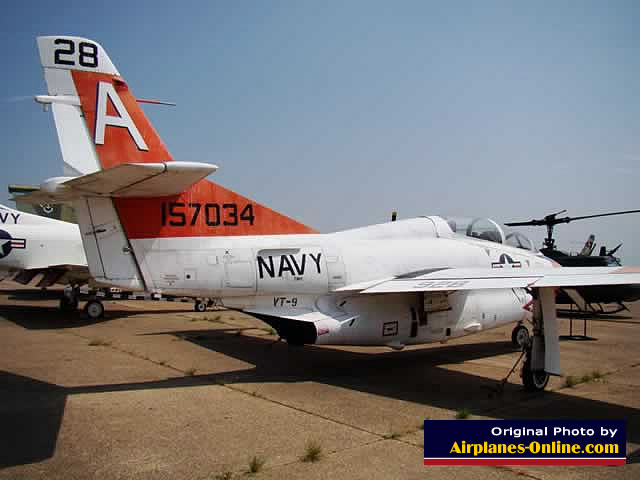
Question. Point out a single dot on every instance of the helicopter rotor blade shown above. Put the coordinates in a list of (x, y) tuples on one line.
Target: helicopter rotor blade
[(604, 214), (557, 213), (612, 252), (551, 220), (525, 224)]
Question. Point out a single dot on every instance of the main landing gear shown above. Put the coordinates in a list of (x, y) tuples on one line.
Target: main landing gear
[(93, 309), (68, 304), (533, 380), (542, 349), (69, 300), (202, 304)]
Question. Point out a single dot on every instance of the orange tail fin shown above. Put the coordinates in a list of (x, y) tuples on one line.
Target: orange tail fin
[(100, 125)]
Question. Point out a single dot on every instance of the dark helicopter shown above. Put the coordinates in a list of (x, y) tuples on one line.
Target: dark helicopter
[(594, 296)]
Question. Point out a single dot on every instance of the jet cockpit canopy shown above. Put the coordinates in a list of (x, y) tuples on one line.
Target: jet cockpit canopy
[(487, 229)]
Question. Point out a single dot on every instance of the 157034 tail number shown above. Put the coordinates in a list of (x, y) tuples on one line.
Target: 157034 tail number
[(180, 214)]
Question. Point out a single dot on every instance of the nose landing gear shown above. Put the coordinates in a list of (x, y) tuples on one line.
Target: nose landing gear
[(520, 336)]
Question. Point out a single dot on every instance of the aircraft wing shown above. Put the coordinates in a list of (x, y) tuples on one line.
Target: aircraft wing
[(449, 279)]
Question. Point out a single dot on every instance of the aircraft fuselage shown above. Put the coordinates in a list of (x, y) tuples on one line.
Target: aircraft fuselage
[(286, 278)]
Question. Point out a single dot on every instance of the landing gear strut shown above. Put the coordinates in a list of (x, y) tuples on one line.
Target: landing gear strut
[(542, 352), (69, 300), (68, 304)]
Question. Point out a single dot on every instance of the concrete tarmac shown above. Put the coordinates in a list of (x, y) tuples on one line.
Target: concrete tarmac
[(155, 390)]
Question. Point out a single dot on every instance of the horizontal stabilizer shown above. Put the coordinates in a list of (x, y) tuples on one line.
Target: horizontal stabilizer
[(50, 277), (142, 179), (25, 276), (125, 180)]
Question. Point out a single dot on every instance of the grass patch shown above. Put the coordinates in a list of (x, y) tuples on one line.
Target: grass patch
[(216, 319), (312, 451), (191, 371), (585, 378), (570, 381), (392, 436), (256, 464), (99, 342), (463, 414), (228, 475)]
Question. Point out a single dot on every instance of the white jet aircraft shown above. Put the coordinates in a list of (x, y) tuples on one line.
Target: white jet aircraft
[(150, 223), (33, 246)]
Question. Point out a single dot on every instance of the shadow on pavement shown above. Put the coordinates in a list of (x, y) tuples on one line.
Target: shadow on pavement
[(50, 317), (31, 411), (30, 415)]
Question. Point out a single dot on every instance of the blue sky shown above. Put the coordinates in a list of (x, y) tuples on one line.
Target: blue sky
[(337, 113)]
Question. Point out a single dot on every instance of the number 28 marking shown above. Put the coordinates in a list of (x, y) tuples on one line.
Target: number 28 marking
[(180, 214), (66, 54)]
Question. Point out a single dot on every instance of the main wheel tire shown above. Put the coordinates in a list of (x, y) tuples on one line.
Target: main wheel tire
[(533, 381), (200, 306), (520, 336), (94, 309)]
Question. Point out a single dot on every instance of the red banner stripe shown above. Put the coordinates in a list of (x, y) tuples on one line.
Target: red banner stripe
[(525, 461)]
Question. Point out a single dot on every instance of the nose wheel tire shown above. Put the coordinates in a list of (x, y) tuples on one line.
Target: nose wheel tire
[(520, 336), (200, 306), (94, 309), (533, 381)]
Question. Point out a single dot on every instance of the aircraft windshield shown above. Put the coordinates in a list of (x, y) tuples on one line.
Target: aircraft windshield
[(518, 240), (487, 229)]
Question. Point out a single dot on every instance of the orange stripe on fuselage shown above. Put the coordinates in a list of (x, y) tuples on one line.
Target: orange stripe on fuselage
[(143, 217), (150, 217)]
